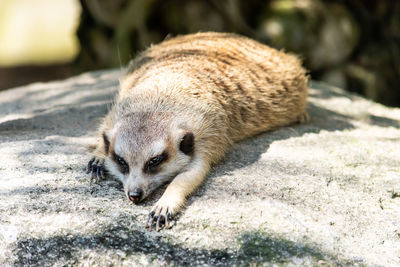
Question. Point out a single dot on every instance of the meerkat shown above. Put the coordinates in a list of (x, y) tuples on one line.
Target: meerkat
[(181, 106)]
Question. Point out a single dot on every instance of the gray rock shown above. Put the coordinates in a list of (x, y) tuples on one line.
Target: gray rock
[(323, 192)]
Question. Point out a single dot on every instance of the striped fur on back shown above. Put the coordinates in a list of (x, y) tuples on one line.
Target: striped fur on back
[(258, 87)]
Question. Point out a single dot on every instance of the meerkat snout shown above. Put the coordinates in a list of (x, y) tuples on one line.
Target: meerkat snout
[(135, 195)]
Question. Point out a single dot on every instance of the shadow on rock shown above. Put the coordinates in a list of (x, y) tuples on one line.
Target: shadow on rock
[(93, 190), (68, 111), (382, 121), (255, 247), (249, 151), (85, 88), (58, 122), (259, 247), (322, 90)]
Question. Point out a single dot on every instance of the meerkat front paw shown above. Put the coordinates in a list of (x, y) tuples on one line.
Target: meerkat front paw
[(96, 169), (162, 213)]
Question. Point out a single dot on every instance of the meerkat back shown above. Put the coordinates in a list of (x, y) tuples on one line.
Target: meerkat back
[(258, 87)]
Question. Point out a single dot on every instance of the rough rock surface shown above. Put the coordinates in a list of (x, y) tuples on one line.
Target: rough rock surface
[(327, 192)]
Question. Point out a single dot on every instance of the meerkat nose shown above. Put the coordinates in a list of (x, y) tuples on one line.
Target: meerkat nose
[(135, 195)]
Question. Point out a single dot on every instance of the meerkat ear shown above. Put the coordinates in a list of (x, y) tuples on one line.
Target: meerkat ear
[(187, 143)]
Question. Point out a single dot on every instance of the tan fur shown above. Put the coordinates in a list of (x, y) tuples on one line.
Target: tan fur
[(221, 87)]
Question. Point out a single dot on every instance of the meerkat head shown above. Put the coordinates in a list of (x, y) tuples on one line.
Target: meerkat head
[(145, 151)]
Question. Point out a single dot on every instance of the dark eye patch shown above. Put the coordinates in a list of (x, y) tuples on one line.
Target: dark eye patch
[(152, 165), (122, 165)]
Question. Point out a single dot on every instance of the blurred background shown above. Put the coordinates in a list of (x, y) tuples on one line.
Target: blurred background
[(354, 44)]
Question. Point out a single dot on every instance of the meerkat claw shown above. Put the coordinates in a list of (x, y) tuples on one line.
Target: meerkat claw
[(158, 223), (98, 172), (151, 214), (151, 222), (159, 220), (89, 166), (167, 226), (95, 169), (94, 172)]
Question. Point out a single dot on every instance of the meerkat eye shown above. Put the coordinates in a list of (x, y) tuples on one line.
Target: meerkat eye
[(151, 166), (123, 166)]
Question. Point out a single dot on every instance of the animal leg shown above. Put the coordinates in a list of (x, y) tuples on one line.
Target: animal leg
[(175, 195)]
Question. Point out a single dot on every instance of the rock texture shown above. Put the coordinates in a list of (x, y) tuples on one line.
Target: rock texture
[(327, 192)]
